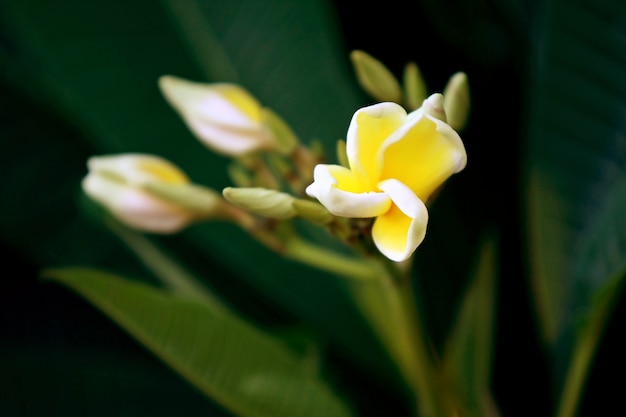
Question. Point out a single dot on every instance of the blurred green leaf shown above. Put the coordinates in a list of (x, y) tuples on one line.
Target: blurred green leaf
[(576, 174), (99, 65), (171, 272), (468, 355), (232, 362)]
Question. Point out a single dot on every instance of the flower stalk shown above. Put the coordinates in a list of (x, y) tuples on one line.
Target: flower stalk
[(389, 305)]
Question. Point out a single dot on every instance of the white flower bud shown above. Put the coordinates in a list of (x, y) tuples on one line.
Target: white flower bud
[(225, 117), (147, 192)]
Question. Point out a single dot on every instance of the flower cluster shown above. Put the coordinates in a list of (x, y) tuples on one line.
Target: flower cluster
[(393, 162)]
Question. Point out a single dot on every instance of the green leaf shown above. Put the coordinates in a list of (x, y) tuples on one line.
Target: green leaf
[(99, 64), (171, 273), (237, 365), (469, 349), (587, 338), (576, 176)]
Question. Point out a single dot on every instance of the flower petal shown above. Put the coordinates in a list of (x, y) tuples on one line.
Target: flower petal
[(369, 128), (224, 116), (343, 195), (399, 231), (135, 207), (138, 169), (423, 154)]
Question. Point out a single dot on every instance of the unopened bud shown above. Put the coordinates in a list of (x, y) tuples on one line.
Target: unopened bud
[(375, 78), (456, 100), (239, 174), (286, 139), (201, 200), (225, 117), (147, 192), (433, 106), (342, 153), (312, 211), (262, 201), (414, 86)]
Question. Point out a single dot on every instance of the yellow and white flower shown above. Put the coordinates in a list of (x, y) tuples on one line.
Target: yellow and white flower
[(147, 192), (224, 116), (396, 162)]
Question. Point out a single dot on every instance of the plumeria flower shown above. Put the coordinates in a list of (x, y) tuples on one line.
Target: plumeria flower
[(396, 162), (147, 192), (224, 116)]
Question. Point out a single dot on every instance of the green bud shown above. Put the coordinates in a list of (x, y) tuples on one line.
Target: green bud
[(433, 106), (194, 197), (312, 211), (317, 149), (342, 154), (286, 139), (375, 78), (415, 90), (262, 201), (239, 175), (456, 100)]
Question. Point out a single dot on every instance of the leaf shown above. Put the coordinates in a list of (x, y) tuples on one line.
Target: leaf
[(98, 65), (468, 356), (171, 273), (576, 174), (237, 365)]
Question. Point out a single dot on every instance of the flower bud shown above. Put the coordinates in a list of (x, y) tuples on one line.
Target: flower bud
[(262, 201), (375, 78), (433, 106), (414, 86), (239, 175), (286, 140), (312, 211), (147, 192), (456, 100), (342, 154), (225, 117)]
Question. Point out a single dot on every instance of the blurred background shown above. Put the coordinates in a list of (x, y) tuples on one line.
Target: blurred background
[(79, 79)]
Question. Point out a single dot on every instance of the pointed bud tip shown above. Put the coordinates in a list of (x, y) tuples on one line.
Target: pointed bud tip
[(167, 81), (457, 100), (436, 101), (433, 106), (375, 78)]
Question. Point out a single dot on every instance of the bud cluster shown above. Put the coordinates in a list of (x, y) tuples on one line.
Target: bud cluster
[(274, 174)]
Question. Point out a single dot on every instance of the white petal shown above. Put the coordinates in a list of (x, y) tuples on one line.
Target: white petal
[(144, 212), (138, 169), (343, 202), (229, 140), (223, 116), (135, 207)]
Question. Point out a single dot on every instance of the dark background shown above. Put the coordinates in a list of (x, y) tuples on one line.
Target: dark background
[(60, 356)]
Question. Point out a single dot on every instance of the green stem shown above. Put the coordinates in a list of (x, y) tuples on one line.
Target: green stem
[(171, 273), (385, 297), (418, 364), (389, 306), (313, 255)]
